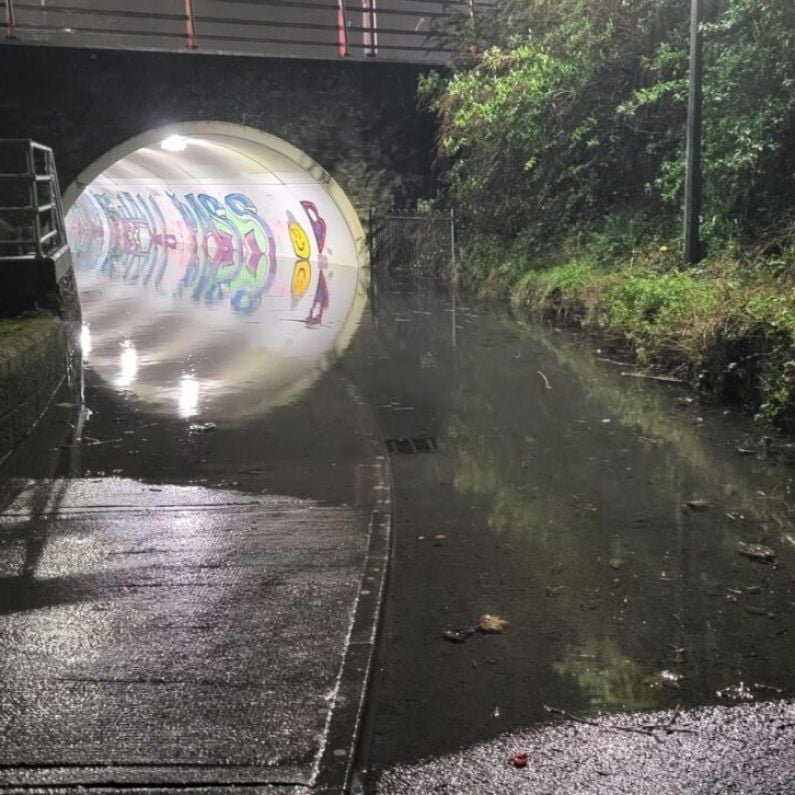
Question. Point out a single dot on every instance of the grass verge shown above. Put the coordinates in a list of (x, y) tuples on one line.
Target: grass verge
[(727, 326)]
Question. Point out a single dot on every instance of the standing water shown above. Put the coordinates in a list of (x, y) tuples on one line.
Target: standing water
[(601, 515)]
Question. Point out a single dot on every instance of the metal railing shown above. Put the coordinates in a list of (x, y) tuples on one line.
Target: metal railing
[(31, 213), (402, 30)]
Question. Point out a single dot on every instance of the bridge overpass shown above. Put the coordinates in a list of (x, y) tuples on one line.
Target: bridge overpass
[(398, 30), (326, 118)]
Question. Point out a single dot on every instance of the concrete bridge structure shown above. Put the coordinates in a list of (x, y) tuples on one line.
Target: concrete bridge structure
[(360, 121)]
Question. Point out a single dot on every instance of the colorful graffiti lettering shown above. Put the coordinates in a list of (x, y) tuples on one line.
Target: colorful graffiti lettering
[(317, 222), (224, 248)]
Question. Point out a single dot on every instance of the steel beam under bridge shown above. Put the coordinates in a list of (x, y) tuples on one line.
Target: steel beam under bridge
[(393, 30)]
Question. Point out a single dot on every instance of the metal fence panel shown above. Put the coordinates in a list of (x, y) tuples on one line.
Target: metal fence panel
[(421, 244)]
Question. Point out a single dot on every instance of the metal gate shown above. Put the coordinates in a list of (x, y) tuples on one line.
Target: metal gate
[(419, 245)]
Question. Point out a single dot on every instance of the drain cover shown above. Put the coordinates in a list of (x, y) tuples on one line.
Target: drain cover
[(417, 444)]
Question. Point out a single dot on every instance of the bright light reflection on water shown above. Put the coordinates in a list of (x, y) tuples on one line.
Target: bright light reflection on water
[(188, 397), (128, 364)]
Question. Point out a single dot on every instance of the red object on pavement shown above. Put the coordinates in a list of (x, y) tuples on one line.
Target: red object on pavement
[(519, 760)]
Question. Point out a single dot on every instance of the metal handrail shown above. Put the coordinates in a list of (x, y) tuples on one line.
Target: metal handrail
[(43, 213)]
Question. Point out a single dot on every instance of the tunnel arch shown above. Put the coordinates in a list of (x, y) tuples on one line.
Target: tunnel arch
[(245, 135), (226, 227)]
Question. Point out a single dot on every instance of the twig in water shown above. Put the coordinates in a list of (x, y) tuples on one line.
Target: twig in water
[(613, 361), (668, 379), (609, 726), (546, 380)]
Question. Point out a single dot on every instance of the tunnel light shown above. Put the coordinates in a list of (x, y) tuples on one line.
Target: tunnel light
[(174, 143)]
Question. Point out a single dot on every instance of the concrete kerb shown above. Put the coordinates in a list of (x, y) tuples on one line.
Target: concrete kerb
[(343, 736)]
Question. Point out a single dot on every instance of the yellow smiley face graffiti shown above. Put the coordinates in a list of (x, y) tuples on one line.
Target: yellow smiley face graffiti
[(302, 274), (299, 240)]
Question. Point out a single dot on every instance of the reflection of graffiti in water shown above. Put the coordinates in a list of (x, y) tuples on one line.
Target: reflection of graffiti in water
[(320, 302), (222, 249)]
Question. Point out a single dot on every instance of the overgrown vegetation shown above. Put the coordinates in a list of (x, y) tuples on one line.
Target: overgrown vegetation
[(563, 131)]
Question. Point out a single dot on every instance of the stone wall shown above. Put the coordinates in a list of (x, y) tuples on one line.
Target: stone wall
[(360, 121), (35, 355)]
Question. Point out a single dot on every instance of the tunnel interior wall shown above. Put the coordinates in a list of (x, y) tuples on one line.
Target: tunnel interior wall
[(360, 121)]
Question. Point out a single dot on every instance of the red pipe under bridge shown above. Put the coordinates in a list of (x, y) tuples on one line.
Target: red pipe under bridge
[(395, 30)]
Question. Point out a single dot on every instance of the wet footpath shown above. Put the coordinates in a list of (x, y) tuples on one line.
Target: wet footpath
[(191, 557)]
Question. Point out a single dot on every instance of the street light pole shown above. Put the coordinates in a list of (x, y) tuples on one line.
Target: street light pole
[(692, 240)]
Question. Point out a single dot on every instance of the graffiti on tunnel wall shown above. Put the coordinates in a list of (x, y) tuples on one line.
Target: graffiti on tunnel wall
[(208, 248)]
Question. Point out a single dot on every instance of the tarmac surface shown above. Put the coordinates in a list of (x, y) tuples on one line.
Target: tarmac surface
[(188, 591), (747, 750)]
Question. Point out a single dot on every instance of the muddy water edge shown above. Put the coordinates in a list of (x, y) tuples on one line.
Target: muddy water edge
[(598, 513)]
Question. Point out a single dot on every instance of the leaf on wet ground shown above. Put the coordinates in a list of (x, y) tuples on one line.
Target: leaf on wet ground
[(487, 624), (490, 623)]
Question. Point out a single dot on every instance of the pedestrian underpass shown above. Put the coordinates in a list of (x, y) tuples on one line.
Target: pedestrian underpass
[(214, 258)]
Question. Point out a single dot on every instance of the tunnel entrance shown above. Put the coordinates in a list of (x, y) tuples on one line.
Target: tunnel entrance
[(219, 268)]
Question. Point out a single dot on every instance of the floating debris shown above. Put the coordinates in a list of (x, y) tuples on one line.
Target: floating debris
[(661, 679), (458, 635), (489, 623), (739, 692), (202, 427), (519, 760), (756, 552), (755, 610), (680, 654)]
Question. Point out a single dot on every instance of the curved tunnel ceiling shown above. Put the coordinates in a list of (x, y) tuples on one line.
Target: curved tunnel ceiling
[(219, 269)]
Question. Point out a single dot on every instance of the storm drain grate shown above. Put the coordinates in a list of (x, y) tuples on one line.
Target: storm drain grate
[(417, 444)]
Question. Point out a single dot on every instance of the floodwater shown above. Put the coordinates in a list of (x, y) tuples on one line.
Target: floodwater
[(597, 514), (557, 499)]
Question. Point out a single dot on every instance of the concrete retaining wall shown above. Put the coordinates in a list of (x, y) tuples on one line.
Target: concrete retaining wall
[(34, 361), (47, 285)]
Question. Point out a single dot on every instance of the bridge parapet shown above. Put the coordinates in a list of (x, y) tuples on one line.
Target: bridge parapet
[(413, 31)]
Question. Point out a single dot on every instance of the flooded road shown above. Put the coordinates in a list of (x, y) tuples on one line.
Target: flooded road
[(599, 514)]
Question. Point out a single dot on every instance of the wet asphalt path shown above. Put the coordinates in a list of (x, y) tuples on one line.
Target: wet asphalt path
[(189, 600)]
